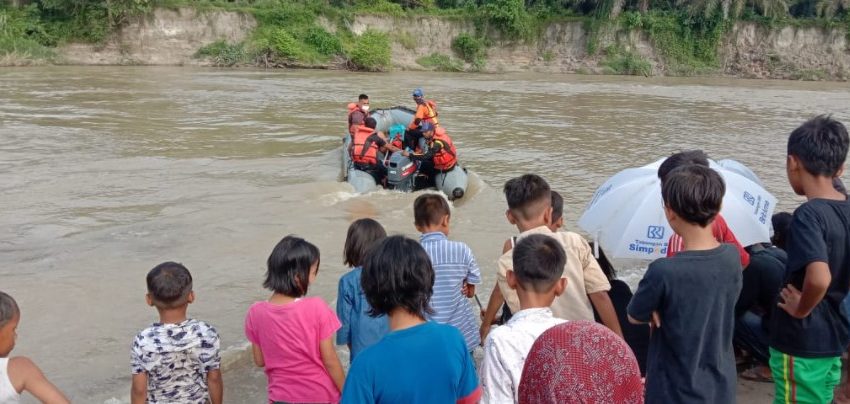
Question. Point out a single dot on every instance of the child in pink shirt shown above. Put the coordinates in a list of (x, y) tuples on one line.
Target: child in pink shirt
[(292, 335)]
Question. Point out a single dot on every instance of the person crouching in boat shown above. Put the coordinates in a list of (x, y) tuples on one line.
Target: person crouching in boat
[(426, 111), (441, 151), (366, 142), (358, 112)]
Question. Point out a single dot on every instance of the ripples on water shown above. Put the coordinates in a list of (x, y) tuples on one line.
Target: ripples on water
[(106, 172)]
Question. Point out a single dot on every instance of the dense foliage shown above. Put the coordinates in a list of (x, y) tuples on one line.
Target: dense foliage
[(303, 32)]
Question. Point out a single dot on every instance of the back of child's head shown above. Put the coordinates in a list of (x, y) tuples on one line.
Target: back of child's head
[(557, 206), (8, 308), (538, 262), (694, 193), (370, 123), (429, 210), (289, 266), (397, 273), (362, 235), (606, 266), (527, 196), (820, 144), (169, 285), (781, 226), (680, 159)]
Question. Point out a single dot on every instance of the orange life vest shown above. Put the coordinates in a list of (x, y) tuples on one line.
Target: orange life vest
[(359, 152), (429, 114), (446, 158), (352, 108)]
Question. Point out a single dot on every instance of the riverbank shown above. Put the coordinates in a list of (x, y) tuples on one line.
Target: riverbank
[(634, 44)]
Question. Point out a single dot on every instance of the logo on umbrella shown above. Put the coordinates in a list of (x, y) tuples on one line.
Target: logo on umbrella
[(655, 232), (749, 198)]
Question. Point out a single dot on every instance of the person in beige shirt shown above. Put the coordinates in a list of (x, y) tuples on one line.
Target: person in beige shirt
[(530, 209)]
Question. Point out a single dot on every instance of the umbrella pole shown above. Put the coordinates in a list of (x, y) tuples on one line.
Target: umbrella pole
[(596, 245)]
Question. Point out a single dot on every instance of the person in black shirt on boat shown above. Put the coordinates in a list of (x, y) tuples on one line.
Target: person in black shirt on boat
[(366, 142)]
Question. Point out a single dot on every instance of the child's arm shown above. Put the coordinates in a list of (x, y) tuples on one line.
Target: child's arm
[(645, 304), (495, 380), (139, 390), (331, 361), (493, 305), (26, 376), (344, 310), (800, 304), (603, 305), (258, 356), (215, 384)]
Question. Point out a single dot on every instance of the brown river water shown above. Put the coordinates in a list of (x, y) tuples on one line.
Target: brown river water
[(107, 171)]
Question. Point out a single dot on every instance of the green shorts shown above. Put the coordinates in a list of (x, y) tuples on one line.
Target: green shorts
[(804, 380)]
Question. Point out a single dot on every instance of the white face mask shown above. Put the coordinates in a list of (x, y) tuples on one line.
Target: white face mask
[(365, 108)]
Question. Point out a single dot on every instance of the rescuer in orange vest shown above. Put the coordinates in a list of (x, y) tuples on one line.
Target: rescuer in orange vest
[(366, 142), (426, 112), (441, 151), (357, 113)]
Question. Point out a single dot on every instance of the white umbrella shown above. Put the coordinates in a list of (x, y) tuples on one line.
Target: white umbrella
[(735, 166), (626, 214)]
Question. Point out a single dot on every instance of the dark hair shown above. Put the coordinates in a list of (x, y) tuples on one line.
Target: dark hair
[(362, 235), (694, 192), (538, 262), (781, 226), (682, 158), (169, 285), (363, 97), (397, 273), (527, 195), (820, 144), (429, 209), (289, 266), (606, 266), (8, 308), (370, 122), (557, 206)]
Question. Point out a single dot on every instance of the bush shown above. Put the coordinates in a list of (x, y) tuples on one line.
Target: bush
[(441, 62), (509, 16), (223, 54), (468, 47), (371, 51), (285, 45), (620, 61), (323, 41)]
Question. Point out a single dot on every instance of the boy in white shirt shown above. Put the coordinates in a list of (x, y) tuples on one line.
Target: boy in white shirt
[(538, 263)]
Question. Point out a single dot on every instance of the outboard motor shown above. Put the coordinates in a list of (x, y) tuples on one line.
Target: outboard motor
[(401, 173)]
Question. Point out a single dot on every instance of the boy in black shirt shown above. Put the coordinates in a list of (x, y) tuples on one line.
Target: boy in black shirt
[(693, 294), (809, 331)]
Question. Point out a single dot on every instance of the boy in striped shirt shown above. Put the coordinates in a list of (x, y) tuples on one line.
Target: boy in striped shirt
[(455, 268)]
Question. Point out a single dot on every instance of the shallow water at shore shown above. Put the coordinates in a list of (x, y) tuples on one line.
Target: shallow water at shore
[(107, 171)]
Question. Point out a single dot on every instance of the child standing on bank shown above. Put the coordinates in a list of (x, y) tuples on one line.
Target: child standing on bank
[(419, 361), (809, 331), (488, 317), (20, 374), (359, 330), (690, 298), (454, 266), (536, 277), (530, 209), (292, 335), (176, 359)]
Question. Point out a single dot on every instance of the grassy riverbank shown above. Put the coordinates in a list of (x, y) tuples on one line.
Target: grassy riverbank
[(686, 35)]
